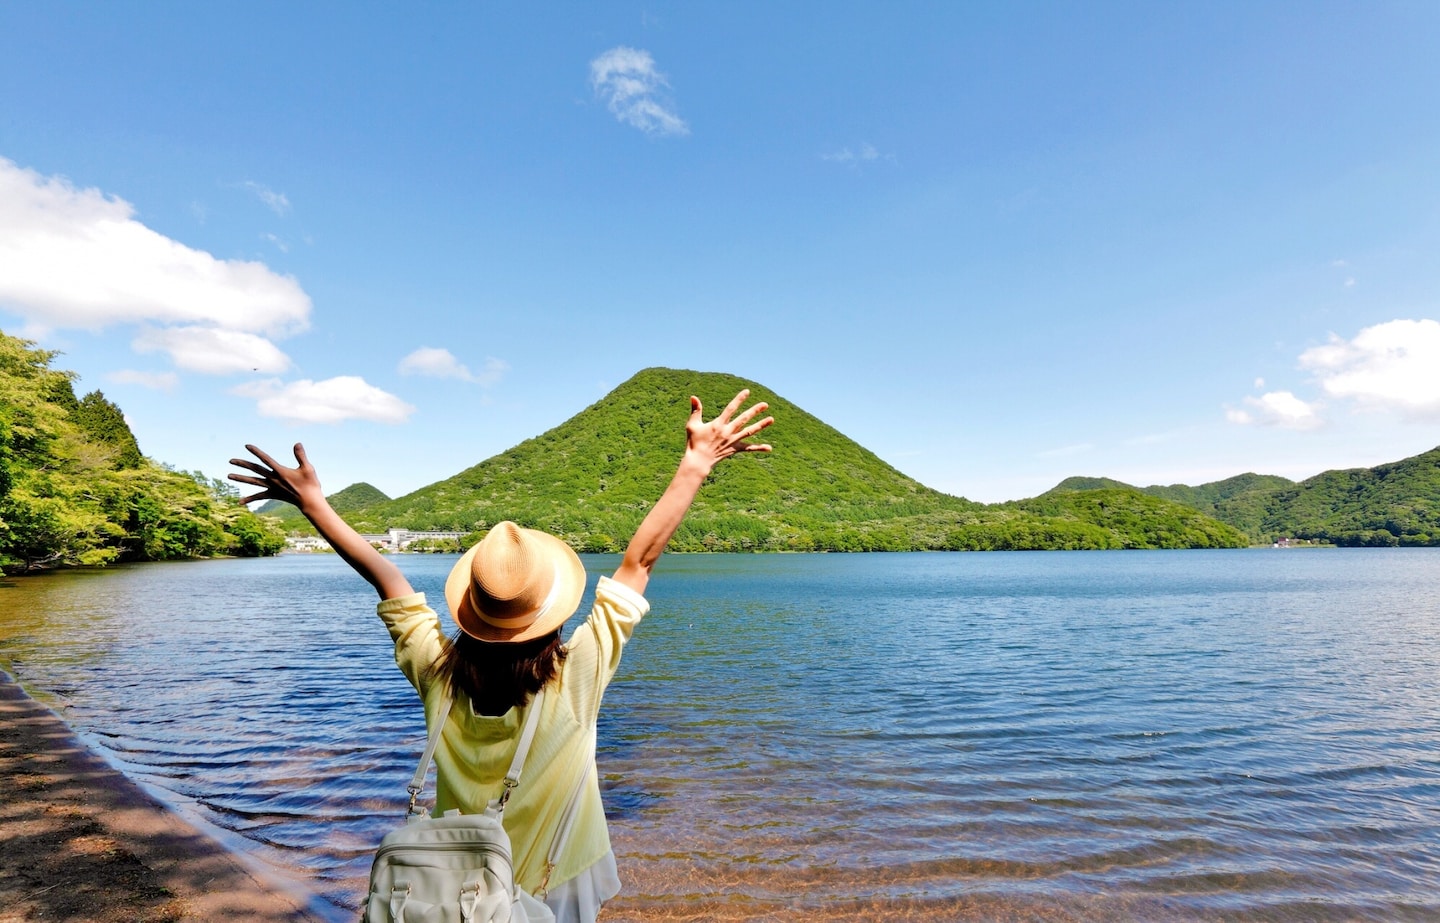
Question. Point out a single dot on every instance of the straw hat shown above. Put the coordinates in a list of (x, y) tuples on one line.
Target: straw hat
[(514, 585)]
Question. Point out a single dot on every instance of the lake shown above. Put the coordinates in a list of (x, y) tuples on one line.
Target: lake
[(1206, 735)]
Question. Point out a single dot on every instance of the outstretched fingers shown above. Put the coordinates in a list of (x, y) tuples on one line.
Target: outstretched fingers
[(734, 404), (750, 414), (249, 466), (754, 428), (261, 454)]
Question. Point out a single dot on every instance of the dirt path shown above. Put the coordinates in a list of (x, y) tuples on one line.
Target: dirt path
[(81, 842)]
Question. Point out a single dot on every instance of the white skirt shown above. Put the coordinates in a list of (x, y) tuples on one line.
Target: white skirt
[(578, 900)]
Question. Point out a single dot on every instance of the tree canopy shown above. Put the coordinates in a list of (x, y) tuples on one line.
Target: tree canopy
[(75, 489), (1397, 503)]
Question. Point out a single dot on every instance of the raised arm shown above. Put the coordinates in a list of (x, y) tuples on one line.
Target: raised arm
[(706, 445), (301, 486)]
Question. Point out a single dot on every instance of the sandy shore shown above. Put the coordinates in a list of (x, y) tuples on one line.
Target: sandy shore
[(82, 842)]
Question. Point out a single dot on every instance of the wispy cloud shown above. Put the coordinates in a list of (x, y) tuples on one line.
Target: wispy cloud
[(275, 201), (77, 258), (865, 153), (334, 400), (433, 362), (635, 91), (157, 381), (1067, 450)]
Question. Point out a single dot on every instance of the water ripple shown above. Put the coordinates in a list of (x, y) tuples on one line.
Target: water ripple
[(1169, 736)]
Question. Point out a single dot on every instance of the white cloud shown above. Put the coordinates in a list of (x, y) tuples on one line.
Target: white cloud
[(278, 241), (1150, 439), (1390, 366), (492, 371), (214, 351), (158, 381), (345, 397), (77, 258), (1277, 408), (275, 201), (635, 91), (433, 362), (845, 155), (1066, 451)]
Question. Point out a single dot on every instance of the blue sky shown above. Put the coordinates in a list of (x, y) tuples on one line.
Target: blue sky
[(998, 244)]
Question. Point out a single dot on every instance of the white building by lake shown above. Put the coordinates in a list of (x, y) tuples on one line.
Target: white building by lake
[(389, 540)]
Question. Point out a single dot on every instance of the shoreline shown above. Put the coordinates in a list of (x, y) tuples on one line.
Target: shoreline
[(83, 842)]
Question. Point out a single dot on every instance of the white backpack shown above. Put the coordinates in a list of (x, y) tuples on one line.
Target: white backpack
[(456, 868)]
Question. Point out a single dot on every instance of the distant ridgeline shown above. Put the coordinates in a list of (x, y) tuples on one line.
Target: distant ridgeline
[(1392, 504), (74, 488), (591, 479)]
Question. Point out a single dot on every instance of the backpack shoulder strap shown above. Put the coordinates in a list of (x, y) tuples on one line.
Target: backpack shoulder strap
[(512, 777)]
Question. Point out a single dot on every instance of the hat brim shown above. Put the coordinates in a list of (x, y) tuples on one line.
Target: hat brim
[(569, 573)]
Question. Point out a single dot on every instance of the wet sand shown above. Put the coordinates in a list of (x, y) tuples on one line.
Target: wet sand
[(82, 842)]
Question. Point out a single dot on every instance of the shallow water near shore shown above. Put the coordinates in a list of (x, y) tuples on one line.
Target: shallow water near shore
[(1140, 735)]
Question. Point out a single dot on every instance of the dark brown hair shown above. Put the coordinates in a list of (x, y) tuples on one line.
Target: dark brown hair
[(498, 676)]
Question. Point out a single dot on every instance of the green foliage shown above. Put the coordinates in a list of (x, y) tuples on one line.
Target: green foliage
[(103, 423), (1086, 483), (591, 480), (1136, 519), (355, 497), (74, 488), (1388, 505), (1392, 504)]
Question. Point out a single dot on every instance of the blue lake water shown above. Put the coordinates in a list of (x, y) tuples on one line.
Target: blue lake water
[(1081, 736)]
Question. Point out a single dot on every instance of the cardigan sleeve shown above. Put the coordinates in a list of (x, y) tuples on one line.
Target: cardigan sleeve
[(415, 629), (597, 645)]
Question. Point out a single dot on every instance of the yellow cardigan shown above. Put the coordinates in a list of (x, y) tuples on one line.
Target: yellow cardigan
[(475, 750)]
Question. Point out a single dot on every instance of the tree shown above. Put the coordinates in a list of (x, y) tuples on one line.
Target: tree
[(74, 488)]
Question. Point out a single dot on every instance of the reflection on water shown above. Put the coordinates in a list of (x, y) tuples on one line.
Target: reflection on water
[(1144, 735)]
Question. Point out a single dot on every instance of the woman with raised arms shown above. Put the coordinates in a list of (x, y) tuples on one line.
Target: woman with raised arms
[(510, 594)]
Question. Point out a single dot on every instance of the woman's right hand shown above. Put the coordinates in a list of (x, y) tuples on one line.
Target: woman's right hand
[(706, 444), (299, 486)]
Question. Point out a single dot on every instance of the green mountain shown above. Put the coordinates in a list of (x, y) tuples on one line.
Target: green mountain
[(1084, 483), (355, 497), (1147, 521), (591, 479), (1392, 504), (1210, 497)]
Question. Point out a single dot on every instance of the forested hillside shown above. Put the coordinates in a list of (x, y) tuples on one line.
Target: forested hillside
[(591, 479), (75, 489), (1392, 504), (355, 497)]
